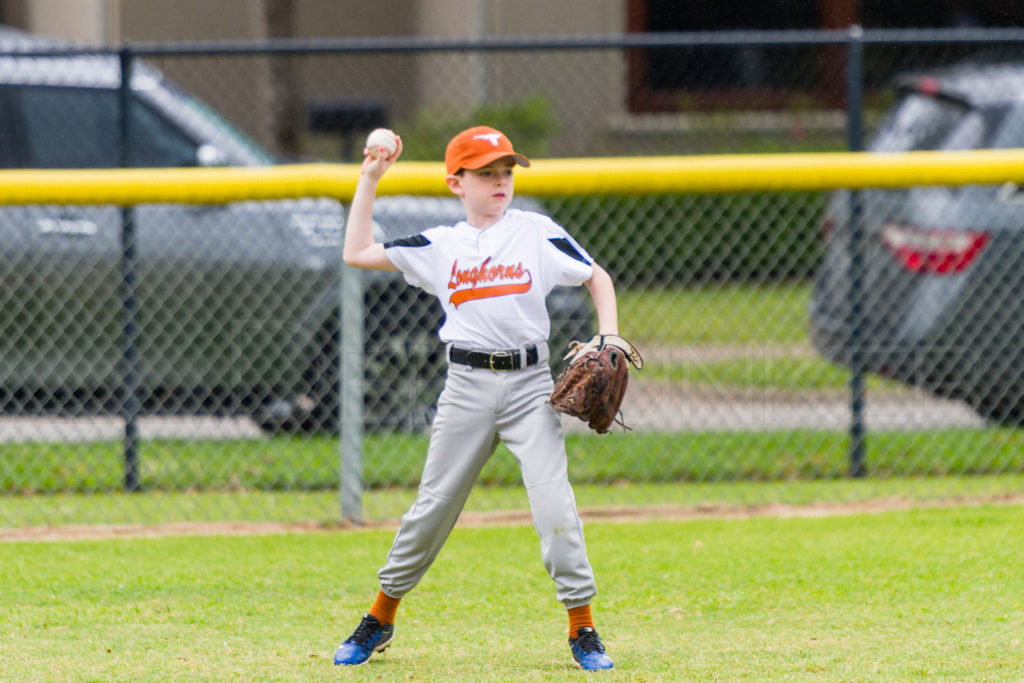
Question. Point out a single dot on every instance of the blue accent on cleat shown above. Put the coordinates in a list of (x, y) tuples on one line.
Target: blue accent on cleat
[(588, 651), (369, 637)]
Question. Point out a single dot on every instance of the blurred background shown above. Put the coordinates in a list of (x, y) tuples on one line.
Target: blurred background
[(196, 352), (644, 101)]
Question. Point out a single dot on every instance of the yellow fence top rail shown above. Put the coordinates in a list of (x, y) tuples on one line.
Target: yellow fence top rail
[(547, 177)]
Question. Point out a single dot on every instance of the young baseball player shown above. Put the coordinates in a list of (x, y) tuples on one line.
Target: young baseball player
[(491, 273)]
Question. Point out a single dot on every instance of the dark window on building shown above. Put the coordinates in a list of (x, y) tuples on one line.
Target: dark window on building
[(719, 67), (705, 78)]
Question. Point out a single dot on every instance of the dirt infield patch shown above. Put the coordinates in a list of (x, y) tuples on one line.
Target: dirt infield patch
[(501, 518)]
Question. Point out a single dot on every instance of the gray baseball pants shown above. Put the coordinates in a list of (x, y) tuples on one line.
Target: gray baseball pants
[(476, 409)]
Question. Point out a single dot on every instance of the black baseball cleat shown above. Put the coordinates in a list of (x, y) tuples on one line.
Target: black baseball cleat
[(588, 650), (369, 637)]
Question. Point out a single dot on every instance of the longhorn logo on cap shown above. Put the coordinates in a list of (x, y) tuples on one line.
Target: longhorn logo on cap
[(492, 138)]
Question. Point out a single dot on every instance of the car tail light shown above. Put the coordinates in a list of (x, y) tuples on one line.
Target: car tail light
[(933, 250)]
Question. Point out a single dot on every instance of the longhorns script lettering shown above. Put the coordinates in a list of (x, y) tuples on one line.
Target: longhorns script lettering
[(486, 281)]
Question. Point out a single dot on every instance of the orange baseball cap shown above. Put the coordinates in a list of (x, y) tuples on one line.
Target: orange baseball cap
[(478, 146)]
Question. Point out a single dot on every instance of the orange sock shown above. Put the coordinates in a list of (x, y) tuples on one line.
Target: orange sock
[(578, 618), (385, 607)]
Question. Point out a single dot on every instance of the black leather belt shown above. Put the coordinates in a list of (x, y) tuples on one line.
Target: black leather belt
[(498, 360)]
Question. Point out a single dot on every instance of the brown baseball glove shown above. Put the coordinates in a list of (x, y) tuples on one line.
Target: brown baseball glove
[(594, 383)]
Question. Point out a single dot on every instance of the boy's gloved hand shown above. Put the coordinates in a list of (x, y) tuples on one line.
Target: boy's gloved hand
[(593, 385)]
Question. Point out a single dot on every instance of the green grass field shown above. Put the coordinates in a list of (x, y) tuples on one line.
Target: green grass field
[(925, 594), (772, 314), (913, 595), (755, 337), (396, 460), (297, 480)]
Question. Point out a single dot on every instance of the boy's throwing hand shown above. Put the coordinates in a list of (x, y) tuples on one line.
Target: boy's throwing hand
[(377, 160)]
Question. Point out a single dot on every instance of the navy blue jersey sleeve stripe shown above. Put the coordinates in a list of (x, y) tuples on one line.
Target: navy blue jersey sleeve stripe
[(566, 247), (414, 241)]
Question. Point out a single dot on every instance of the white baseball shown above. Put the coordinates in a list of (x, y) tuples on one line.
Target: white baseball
[(381, 137)]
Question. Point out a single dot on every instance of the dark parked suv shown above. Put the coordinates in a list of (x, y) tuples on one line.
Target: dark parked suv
[(943, 267), (238, 304)]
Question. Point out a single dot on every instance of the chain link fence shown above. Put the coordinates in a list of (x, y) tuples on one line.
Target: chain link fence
[(183, 362)]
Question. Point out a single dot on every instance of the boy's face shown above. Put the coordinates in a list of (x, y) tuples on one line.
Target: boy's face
[(486, 192)]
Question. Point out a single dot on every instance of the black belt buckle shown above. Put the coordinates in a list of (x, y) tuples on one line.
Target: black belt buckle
[(500, 357)]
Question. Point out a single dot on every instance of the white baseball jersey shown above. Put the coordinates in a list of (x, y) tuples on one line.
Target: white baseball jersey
[(492, 282)]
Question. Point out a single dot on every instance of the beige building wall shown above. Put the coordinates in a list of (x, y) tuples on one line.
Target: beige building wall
[(591, 81), (387, 80), (86, 21), (249, 90), (460, 82), (239, 88)]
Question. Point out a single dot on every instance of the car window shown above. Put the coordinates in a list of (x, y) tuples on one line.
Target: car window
[(8, 137), (80, 128), (919, 122), (922, 122), (967, 133)]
